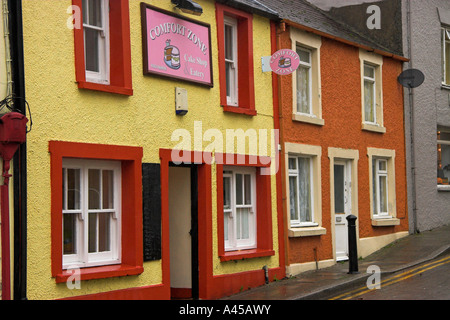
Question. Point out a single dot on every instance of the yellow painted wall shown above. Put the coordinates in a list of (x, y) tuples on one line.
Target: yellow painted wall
[(61, 111)]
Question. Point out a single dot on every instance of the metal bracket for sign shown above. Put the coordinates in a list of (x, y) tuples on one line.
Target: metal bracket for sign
[(265, 64)]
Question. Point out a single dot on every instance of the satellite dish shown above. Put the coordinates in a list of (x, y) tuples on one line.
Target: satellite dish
[(411, 78)]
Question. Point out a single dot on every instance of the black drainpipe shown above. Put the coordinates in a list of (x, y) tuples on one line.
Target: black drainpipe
[(20, 158)]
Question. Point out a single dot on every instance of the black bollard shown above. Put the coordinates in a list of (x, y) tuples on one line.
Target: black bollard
[(352, 247)]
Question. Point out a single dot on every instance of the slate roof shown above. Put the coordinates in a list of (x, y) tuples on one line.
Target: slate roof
[(304, 13), (253, 6)]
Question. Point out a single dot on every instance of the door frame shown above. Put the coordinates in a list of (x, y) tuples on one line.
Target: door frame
[(344, 155), (347, 178), (194, 227)]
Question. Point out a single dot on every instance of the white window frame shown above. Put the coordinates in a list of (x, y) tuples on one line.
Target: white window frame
[(103, 76), (381, 173), (82, 258), (374, 93), (232, 243), (445, 32), (233, 98), (308, 66), (375, 61), (295, 173), (312, 43)]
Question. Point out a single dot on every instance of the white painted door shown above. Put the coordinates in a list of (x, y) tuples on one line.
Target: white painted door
[(342, 206)]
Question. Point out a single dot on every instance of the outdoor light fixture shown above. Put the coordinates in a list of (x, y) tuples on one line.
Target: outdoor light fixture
[(188, 6)]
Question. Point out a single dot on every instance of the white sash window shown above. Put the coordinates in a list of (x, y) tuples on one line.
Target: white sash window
[(91, 212)]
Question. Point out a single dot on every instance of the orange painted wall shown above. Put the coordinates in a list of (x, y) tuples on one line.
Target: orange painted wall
[(341, 110)]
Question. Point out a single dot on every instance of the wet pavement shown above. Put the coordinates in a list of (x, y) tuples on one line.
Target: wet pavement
[(323, 283)]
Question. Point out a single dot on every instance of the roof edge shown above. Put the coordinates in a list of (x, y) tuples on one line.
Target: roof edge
[(352, 43)]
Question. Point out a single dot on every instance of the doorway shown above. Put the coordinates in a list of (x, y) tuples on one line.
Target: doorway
[(183, 231), (342, 206)]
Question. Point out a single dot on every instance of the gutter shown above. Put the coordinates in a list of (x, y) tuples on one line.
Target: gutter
[(20, 158), (352, 43)]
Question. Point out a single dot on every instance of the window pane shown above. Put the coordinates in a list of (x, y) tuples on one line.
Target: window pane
[(382, 165), (292, 163), (228, 73), (369, 102), (339, 189), (99, 232), (104, 232), (303, 83), (108, 189), (383, 194), (73, 189), (242, 217), (92, 236), (85, 11), (447, 62), (95, 13), (91, 43), (94, 189), (293, 200), (226, 193), (229, 42), (247, 189), (305, 56), (443, 164), (69, 233), (226, 217), (64, 189), (369, 72), (374, 187), (305, 189), (239, 190)]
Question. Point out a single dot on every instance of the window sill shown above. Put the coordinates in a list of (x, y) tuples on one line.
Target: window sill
[(101, 272), (373, 127), (308, 119), (105, 88), (239, 110), (443, 188), (445, 86), (246, 254), (385, 222), (306, 232)]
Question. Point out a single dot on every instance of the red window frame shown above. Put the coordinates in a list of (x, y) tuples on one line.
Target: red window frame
[(264, 240), (246, 96), (132, 245), (120, 51)]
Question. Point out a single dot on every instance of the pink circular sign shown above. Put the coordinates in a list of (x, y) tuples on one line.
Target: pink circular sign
[(284, 61)]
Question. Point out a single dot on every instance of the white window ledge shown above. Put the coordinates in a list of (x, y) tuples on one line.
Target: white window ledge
[(308, 119), (445, 86), (444, 188), (373, 128), (385, 222), (306, 231)]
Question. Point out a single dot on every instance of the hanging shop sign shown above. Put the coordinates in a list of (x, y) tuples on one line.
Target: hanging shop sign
[(282, 62), (175, 46)]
